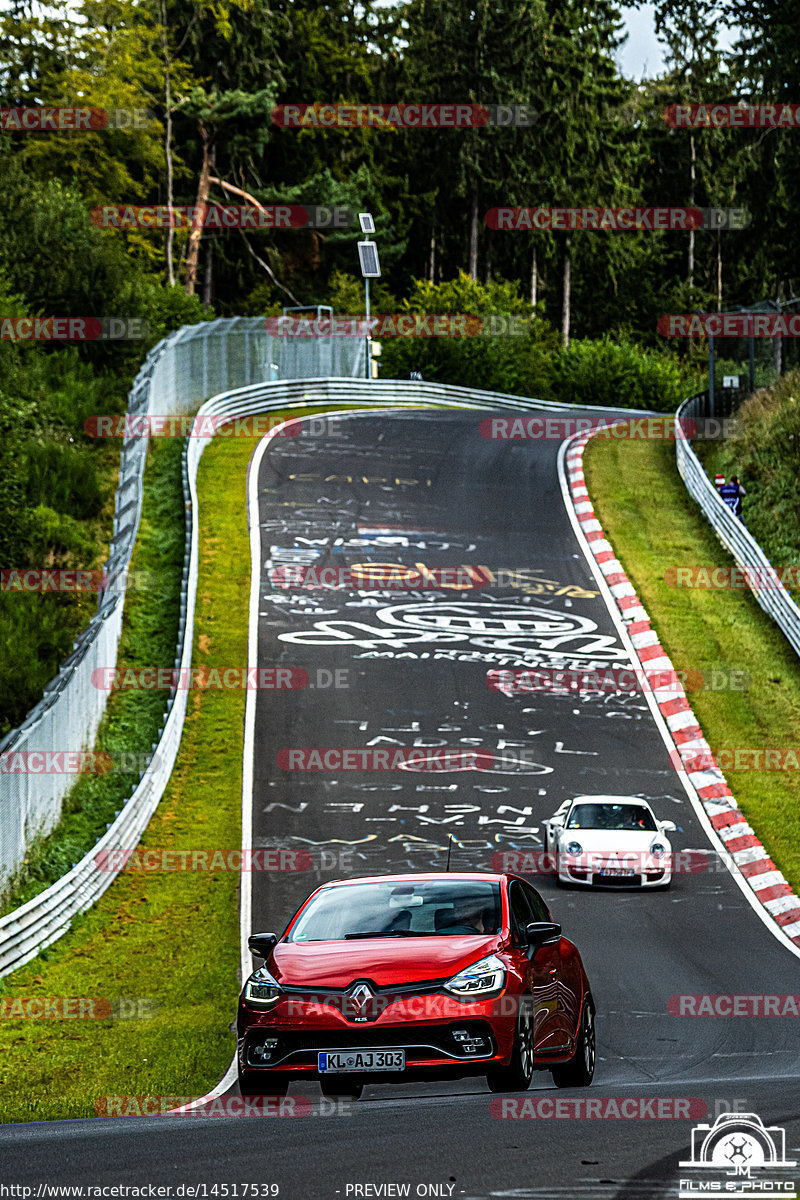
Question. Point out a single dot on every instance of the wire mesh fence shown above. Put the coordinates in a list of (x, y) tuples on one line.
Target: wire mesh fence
[(180, 372), (767, 589)]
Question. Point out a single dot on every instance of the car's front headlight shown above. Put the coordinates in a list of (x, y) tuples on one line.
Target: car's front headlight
[(574, 848), (487, 977), (261, 990), (657, 849)]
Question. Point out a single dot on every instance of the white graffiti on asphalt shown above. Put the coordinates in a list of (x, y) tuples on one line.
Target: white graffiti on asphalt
[(486, 624)]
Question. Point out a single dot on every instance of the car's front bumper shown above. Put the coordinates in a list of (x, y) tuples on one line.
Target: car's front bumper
[(447, 1039), (589, 870)]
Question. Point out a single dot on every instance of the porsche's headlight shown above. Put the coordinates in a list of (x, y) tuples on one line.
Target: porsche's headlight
[(574, 848), (487, 977), (261, 990), (657, 849)]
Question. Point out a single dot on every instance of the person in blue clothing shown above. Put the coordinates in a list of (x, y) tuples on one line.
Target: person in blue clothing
[(731, 493)]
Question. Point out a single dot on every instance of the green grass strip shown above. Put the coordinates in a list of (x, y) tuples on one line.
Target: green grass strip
[(653, 524), (133, 719), (168, 943)]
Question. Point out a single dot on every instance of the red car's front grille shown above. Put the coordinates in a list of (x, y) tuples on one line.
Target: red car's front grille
[(300, 1047)]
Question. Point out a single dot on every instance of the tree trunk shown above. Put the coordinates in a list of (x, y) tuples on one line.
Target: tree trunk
[(488, 260), (237, 191), (208, 274), (170, 196), (534, 279), (565, 306), (691, 203), (432, 257), (168, 145), (473, 235), (196, 234)]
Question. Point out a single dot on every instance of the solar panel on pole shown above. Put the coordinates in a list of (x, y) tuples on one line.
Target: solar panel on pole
[(368, 257)]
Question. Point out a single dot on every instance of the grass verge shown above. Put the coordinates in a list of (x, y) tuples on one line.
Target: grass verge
[(133, 718), (167, 944), (653, 523)]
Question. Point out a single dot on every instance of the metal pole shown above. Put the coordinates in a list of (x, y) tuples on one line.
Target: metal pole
[(369, 356), (711, 374), (752, 364)]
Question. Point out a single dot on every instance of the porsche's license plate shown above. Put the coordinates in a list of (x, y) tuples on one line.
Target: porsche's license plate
[(330, 1062), (617, 871)]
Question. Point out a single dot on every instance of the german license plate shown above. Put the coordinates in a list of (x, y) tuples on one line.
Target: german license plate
[(617, 871), (331, 1062)]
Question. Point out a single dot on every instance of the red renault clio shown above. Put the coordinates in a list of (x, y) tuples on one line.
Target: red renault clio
[(396, 978)]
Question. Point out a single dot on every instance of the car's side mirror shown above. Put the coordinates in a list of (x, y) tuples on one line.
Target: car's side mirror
[(262, 944), (539, 932), (667, 826)]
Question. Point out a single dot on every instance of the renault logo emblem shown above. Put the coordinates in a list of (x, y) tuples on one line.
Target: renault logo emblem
[(359, 1000), (360, 996)]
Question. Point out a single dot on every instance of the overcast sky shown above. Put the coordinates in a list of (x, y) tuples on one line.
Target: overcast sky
[(642, 53)]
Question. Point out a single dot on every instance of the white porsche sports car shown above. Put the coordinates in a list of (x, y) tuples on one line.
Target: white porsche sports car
[(609, 841)]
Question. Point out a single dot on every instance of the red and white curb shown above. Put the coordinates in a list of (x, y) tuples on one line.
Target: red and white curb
[(742, 844)]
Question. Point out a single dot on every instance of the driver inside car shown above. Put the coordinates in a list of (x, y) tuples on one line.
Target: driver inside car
[(467, 918)]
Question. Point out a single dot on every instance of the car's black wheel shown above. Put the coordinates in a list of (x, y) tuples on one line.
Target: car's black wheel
[(263, 1083), (579, 1071), (516, 1077), (341, 1089)]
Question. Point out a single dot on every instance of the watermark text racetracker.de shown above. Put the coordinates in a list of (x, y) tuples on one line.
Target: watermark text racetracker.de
[(733, 116), (215, 1106), (543, 427), (730, 325), (386, 577), (731, 1005), (25, 580), (257, 679), (206, 425), (651, 219), (737, 758), (732, 577), (73, 329), (43, 118), (399, 758), (77, 762), (401, 325), (453, 115), (158, 860), (221, 216), (268, 861), (546, 862), (78, 1008), (611, 680), (597, 1108)]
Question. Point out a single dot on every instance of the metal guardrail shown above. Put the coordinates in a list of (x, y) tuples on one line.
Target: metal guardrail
[(178, 374), (41, 921), (773, 598)]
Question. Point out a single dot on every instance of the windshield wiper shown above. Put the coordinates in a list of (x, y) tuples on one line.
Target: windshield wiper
[(349, 937)]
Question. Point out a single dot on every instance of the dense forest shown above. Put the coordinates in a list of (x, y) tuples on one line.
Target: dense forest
[(205, 81)]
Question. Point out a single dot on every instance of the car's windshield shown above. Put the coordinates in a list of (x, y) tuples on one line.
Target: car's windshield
[(611, 816), (447, 908)]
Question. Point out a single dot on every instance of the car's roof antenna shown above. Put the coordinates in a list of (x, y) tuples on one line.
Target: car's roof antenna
[(449, 848)]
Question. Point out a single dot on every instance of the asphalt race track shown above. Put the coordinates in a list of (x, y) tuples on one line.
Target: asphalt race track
[(426, 488)]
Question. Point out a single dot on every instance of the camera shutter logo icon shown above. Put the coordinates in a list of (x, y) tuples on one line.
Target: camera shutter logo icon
[(738, 1142)]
